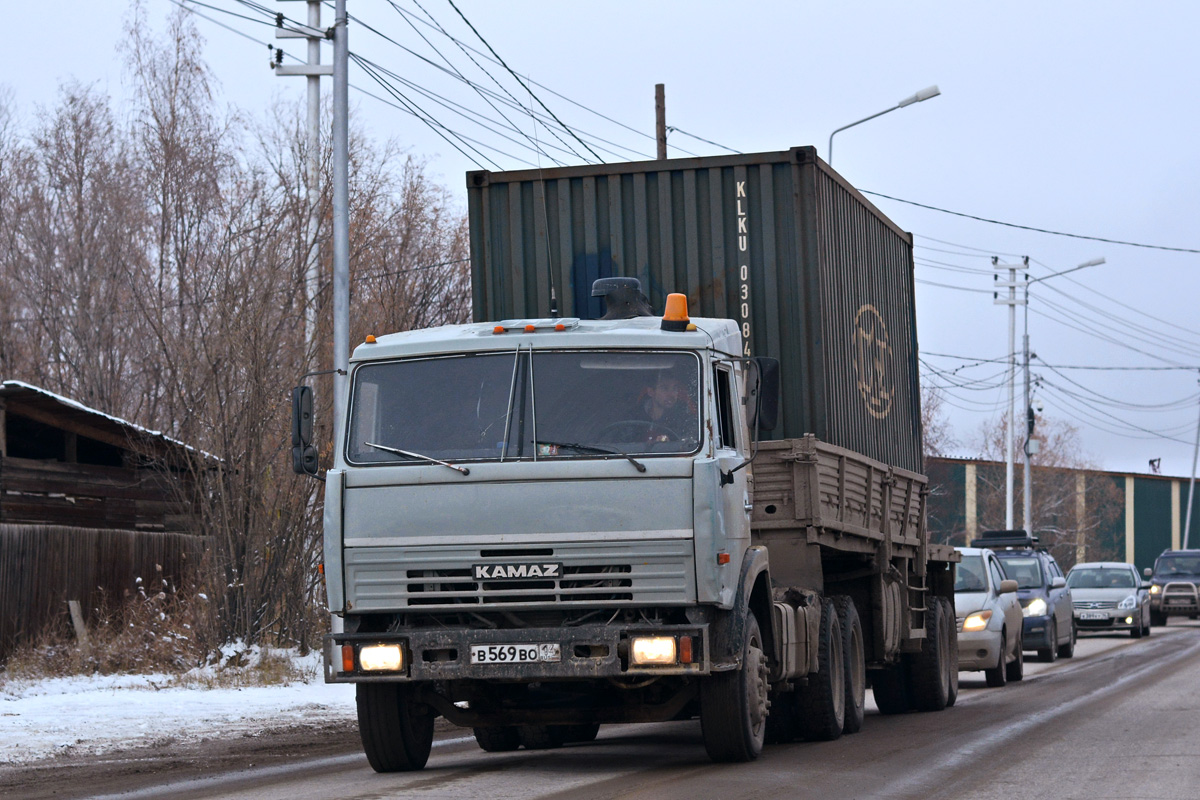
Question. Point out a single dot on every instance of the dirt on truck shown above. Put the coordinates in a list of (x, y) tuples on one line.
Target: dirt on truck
[(672, 471)]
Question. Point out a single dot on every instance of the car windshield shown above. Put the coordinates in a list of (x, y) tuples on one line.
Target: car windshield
[(968, 575), (1101, 578), (1025, 570), (525, 404), (1177, 565)]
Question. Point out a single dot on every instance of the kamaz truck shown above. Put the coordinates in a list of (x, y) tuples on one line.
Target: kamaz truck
[(672, 471)]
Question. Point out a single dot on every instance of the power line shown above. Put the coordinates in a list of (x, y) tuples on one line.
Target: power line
[(517, 78), (1031, 228)]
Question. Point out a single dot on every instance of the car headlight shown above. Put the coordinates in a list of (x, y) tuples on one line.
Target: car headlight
[(1035, 608), (1128, 603), (1155, 589), (977, 621)]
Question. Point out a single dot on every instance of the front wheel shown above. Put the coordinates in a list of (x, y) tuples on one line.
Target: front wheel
[(733, 705), (1015, 670), (1157, 619), (1068, 650), (997, 675), (1049, 654), (397, 733)]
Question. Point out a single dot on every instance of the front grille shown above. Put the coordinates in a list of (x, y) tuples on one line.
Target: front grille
[(1092, 605), (592, 573), (590, 582)]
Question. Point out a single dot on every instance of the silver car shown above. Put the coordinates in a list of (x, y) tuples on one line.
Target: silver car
[(1109, 595), (989, 616)]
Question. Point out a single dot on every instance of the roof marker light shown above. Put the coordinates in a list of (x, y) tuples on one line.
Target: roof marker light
[(498, 329), (530, 328), (675, 317), (560, 327), (370, 338)]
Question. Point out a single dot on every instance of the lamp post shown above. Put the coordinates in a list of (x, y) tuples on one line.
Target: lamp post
[(924, 94), (1028, 493)]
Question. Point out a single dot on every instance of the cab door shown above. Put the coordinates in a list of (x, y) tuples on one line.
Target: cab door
[(730, 450)]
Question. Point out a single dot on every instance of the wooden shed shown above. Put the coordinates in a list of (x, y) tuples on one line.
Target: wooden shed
[(89, 503)]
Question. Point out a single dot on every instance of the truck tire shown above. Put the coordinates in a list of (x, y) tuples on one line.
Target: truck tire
[(497, 739), (580, 733), (733, 705), (1015, 669), (948, 610), (854, 661), (397, 733), (542, 737), (890, 686), (1068, 650), (821, 704), (930, 668), (996, 676)]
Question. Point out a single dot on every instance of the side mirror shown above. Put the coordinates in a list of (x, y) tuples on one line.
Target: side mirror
[(1147, 572), (304, 455), (1058, 583), (1007, 586), (763, 394)]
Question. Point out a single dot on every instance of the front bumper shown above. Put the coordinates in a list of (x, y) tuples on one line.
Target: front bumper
[(978, 649), (1176, 599), (585, 651), (1113, 619), (1035, 633)]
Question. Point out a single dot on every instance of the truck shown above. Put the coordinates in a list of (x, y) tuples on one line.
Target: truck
[(671, 471)]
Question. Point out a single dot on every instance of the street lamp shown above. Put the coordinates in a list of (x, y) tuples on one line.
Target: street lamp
[(924, 94), (1029, 452)]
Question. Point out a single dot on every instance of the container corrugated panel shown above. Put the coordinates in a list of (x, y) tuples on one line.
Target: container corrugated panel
[(815, 275)]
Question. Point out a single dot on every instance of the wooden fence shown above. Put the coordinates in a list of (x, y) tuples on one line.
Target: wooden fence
[(43, 566)]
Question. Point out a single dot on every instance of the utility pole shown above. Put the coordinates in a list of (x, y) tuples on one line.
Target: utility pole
[(1012, 301), (1187, 525), (312, 70), (1031, 446), (660, 120), (341, 212)]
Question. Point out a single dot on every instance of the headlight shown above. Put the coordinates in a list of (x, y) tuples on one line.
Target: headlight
[(381, 658), (653, 650), (1155, 589), (1035, 608), (1128, 603), (977, 621)]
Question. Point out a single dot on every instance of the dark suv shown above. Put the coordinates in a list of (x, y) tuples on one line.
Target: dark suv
[(1173, 585), (1049, 625)]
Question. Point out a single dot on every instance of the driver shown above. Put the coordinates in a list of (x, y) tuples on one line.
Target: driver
[(667, 405)]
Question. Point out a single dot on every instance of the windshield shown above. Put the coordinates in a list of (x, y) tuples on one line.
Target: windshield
[(1025, 570), (524, 405), (968, 575), (1177, 565), (1100, 578)]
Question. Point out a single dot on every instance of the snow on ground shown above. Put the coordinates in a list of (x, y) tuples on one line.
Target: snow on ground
[(95, 714)]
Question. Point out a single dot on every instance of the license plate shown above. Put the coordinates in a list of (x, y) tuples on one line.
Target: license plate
[(1093, 615), (515, 653)]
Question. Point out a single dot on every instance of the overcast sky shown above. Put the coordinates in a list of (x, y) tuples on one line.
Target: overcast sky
[(1073, 117)]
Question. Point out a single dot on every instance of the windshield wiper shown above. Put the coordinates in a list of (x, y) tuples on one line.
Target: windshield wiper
[(587, 448), (419, 456)]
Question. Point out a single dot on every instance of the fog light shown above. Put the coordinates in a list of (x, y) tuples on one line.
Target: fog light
[(1129, 620), (381, 658), (653, 650)]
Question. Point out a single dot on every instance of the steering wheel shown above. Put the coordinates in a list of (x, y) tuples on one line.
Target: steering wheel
[(654, 431)]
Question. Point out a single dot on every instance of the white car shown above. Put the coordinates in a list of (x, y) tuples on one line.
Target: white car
[(1109, 596), (990, 622)]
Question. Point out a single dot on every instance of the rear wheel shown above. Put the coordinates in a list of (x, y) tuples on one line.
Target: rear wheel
[(948, 609), (997, 676), (541, 737), (891, 690), (821, 704), (397, 733), (733, 705), (931, 666), (1068, 650), (497, 739), (1050, 654), (854, 661)]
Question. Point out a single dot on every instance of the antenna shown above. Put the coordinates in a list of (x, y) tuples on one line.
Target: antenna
[(545, 213)]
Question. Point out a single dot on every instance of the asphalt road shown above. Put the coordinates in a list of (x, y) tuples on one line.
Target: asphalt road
[(1120, 720)]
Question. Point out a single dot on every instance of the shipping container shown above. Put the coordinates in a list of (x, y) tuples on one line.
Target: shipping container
[(815, 274)]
